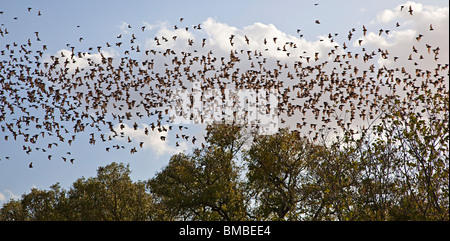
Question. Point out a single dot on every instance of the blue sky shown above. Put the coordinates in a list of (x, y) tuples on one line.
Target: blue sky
[(101, 21)]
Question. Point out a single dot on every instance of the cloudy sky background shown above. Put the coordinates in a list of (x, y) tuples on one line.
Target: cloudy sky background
[(63, 23)]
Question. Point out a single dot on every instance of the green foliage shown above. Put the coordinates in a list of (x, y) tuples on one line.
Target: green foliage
[(277, 174), (111, 195), (204, 185)]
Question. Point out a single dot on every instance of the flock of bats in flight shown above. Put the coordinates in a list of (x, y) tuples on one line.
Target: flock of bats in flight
[(48, 98)]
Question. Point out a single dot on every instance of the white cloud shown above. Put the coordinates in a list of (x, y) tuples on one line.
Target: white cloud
[(2, 197), (74, 60), (158, 25), (260, 38), (7, 195), (401, 40), (124, 28), (386, 16), (152, 139)]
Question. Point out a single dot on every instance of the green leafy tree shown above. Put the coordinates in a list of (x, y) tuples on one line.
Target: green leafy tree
[(419, 131), (110, 196), (278, 175), (38, 205), (13, 211), (204, 185)]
